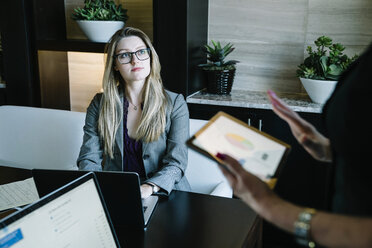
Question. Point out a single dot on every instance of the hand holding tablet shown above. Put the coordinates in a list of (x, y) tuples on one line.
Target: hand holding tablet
[(257, 152)]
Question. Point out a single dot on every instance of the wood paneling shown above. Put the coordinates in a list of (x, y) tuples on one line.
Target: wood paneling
[(140, 15), (54, 82), (72, 29), (85, 73)]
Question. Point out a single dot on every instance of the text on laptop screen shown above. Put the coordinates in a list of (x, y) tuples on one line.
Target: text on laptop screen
[(74, 219)]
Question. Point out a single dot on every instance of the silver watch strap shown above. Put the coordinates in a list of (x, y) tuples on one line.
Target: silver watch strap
[(302, 228)]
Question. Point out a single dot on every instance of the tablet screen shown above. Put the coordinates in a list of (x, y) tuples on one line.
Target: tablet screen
[(256, 151)]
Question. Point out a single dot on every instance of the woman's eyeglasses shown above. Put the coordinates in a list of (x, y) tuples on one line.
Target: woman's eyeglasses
[(125, 58)]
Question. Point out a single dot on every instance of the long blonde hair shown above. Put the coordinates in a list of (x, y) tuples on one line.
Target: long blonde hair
[(153, 118)]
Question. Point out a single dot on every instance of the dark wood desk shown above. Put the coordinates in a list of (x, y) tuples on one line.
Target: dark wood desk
[(186, 219), (196, 220), (9, 174)]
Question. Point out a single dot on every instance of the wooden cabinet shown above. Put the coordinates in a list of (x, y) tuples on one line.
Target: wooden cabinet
[(180, 32), (19, 69)]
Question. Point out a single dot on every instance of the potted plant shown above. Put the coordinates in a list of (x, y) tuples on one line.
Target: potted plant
[(220, 73), (321, 69), (100, 19)]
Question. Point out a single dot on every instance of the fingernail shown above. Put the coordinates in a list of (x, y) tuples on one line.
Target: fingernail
[(221, 156), (271, 93)]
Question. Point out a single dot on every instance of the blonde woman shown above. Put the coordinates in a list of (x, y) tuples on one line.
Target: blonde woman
[(135, 124)]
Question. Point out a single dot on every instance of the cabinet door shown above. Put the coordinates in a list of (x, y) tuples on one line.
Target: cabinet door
[(19, 56), (205, 112), (303, 180)]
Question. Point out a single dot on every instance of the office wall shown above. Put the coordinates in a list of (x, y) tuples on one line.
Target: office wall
[(271, 36)]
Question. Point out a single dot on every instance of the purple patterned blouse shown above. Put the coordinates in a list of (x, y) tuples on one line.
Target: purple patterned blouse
[(132, 160)]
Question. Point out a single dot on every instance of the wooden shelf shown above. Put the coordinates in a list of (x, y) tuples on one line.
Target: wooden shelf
[(71, 45)]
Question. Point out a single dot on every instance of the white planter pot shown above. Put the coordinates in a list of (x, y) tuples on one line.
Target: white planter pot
[(318, 90), (100, 31)]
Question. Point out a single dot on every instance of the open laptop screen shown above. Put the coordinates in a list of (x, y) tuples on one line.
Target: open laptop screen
[(126, 211), (72, 216)]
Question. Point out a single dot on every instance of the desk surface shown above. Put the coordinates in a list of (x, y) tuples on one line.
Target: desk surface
[(186, 219), (196, 220)]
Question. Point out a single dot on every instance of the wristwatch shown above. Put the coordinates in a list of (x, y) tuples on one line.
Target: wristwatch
[(154, 189), (302, 228)]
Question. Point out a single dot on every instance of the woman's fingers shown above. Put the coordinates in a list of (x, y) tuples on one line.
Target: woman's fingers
[(275, 100), (287, 114), (231, 163), (281, 109), (227, 173), (284, 113)]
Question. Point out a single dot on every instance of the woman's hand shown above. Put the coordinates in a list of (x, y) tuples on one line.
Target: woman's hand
[(146, 191), (247, 186), (306, 134), (327, 229)]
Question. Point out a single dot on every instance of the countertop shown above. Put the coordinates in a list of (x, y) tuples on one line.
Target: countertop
[(254, 99)]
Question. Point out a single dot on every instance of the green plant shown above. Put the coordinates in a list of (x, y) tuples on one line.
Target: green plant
[(216, 56), (327, 62), (100, 10)]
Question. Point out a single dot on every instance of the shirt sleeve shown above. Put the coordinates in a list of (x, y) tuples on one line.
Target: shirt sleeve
[(174, 162)]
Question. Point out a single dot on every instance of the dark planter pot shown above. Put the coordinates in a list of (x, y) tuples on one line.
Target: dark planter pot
[(220, 82)]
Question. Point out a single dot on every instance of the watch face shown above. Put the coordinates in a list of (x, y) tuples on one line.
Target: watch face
[(306, 217), (152, 186)]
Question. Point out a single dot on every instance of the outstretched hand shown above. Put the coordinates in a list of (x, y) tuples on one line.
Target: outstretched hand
[(245, 185), (306, 134)]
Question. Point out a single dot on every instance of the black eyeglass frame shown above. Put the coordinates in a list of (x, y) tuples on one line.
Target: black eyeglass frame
[(131, 55)]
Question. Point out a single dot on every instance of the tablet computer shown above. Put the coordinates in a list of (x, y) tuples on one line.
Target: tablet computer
[(258, 152)]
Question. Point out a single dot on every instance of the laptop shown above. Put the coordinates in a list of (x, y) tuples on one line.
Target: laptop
[(74, 215), (121, 191)]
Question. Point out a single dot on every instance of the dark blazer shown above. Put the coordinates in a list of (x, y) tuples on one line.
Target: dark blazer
[(165, 160)]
